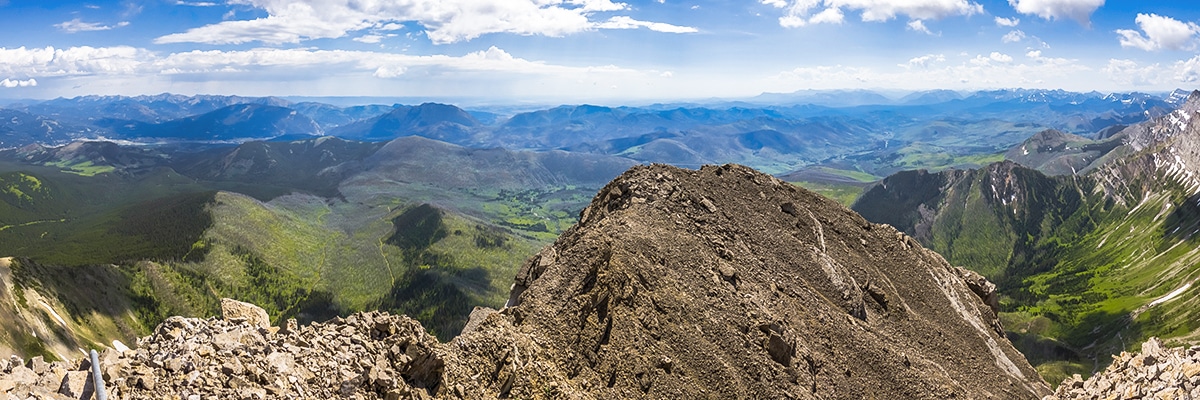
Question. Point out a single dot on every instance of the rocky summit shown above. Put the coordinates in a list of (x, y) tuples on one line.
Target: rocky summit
[(717, 283)]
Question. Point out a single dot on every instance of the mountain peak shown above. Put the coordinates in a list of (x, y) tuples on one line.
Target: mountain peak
[(729, 266)]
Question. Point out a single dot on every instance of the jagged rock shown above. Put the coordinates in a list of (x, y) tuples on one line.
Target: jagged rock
[(717, 283), (236, 310), (1155, 372), (76, 385), (477, 316)]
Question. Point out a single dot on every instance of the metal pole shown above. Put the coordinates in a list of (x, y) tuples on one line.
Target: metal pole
[(97, 378)]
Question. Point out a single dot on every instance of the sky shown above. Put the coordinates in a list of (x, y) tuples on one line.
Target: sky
[(590, 50)]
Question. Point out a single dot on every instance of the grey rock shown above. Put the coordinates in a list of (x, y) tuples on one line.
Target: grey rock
[(236, 310)]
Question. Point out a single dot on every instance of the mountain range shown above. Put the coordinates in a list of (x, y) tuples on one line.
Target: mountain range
[(777, 133), (315, 211), (1093, 251)]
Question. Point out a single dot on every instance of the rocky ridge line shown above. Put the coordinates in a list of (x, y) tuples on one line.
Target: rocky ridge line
[(717, 283)]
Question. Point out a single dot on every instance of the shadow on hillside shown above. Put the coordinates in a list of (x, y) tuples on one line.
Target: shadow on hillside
[(1183, 223), (441, 299)]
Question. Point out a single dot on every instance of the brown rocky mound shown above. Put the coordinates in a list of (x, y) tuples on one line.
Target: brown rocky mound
[(717, 283), (1155, 373)]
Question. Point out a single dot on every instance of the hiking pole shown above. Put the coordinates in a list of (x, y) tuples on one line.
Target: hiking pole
[(97, 379)]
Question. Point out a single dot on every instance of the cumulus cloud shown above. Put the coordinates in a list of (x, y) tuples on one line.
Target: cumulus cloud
[(1013, 36), (1188, 71), (134, 62), (918, 26), (831, 15), (76, 25), (1007, 22), (1078, 10), (995, 57), (12, 83), (1130, 72), (623, 22), (800, 12), (445, 21), (83, 60), (924, 61), (1161, 33), (368, 39)]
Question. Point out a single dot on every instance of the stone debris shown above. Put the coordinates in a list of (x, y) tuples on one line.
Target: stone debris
[(365, 356), (1153, 373)]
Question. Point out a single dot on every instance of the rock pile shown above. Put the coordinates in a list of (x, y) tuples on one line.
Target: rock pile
[(366, 356), (1154, 373)]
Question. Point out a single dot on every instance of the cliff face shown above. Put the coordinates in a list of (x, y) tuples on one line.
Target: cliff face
[(717, 283)]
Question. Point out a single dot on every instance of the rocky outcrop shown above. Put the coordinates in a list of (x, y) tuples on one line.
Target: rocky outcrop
[(1154, 373), (726, 282), (236, 310), (717, 283)]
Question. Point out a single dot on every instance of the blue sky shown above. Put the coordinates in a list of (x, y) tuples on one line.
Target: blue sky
[(590, 50)]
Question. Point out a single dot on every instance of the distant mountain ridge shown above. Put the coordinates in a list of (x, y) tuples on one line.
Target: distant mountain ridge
[(934, 128)]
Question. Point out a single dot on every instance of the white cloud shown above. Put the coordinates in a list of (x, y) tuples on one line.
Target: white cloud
[(1007, 22), (1013, 36), (1129, 72), (368, 39), (1188, 71), (76, 25), (445, 21), (84, 60), (831, 15), (134, 62), (1160, 33), (800, 12), (995, 57), (918, 26), (623, 22), (12, 83), (924, 61), (1078, 10), (883, 10)]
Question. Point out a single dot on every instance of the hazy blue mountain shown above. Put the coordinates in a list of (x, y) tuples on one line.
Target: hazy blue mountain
[(18, 128), (238, 122), (431, 120), (930, 97), (150, 109), (331, 116), (830, 98)]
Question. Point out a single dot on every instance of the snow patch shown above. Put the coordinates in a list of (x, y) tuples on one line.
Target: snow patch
[(1171, 295)]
